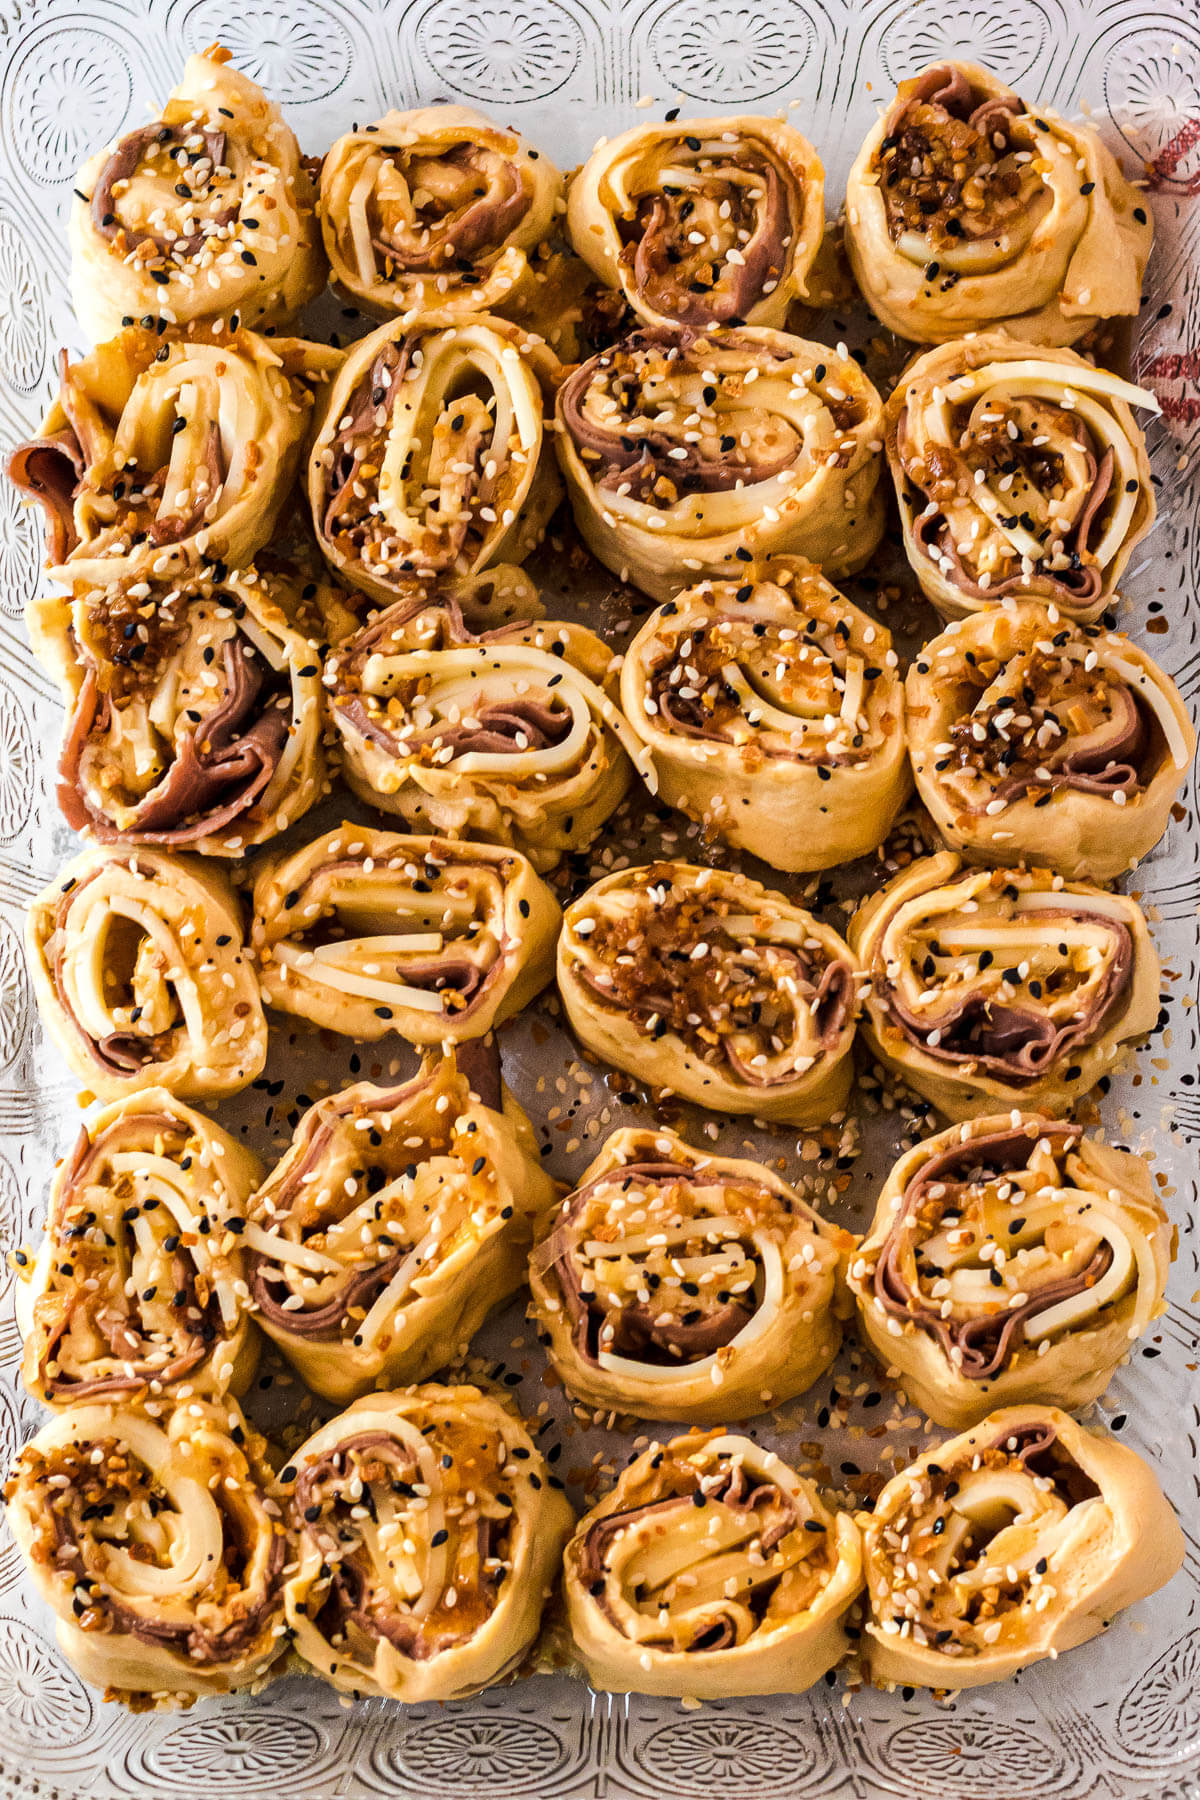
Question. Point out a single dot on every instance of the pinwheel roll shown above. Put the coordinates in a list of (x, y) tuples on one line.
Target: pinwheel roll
[(687, 456), (195, 714), (714, 987), (138, 1287), (1010, 1259), (1035, 742), (396, 1222), (427, 1534), (207, 212), (774, 714), (702, 222), (141, 977), (676, 1284), (1004, 987), (436, 207), (162, 454), (710, 1570), (367, 932), (1021, 474), (510, 734), (1013, 1542), (496, 596), (430, 459), (966, 211), (154, 1543)]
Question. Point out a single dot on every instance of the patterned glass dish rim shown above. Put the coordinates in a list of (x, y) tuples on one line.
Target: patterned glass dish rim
[(1119, 1718)]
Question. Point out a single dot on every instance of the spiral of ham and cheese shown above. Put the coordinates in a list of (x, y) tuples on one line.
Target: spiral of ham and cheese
[(1002, 987), (711, 1569), (1014, 1542), (427, 1532), (156, 1545), (1011, 1259), (713, 987), (677, 1284)]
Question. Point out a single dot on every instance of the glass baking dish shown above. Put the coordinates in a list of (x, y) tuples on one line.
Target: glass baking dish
[(1120, 1717)]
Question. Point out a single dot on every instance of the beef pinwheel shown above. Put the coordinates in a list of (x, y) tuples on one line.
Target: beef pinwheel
[(1004, 987), (687, 455), (1010, 1259), (155, 1544), (1033, 741), (1020, 474), (675, 1284), (366, 932), (427, 1532), (437, 208), (497, 596), (702, 222), (1016, 1541), (430, 460), (161, 454), (207, 212), (398, 1219), (141, 977), (713, 987), (138, 1288), (509, 734), (711, 1570), (195, 713), (773, 710), (967, 211)]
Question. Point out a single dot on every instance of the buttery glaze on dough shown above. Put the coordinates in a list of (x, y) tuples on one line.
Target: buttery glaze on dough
[(712, 987), (1011, 1259), (702, 222), (774, 713), (1075, 1522), (1033, 740), (710, 1570), (1002, 987), (967, 210), (1020, 473), (156, 1545), (398, 1219), (687, 455), (676, 1284), (426, 1532)]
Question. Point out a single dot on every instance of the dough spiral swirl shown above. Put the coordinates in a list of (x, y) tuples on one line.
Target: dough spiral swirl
[(1004, 987), (702, 222), (1035, 741), (509, 734), (966, 210), (141, 976), (427, 1532), (138, 1287), (711, 1569), (675, 1284), (157, 1546), (206, 213), (162, 454), (437, 208), (431, 460), (1013, 1542), (1010, 1259), (397, 1220), (687, 455), (713, 987), (195, 714), (367, 932), (1020, 474), (773, 710)]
